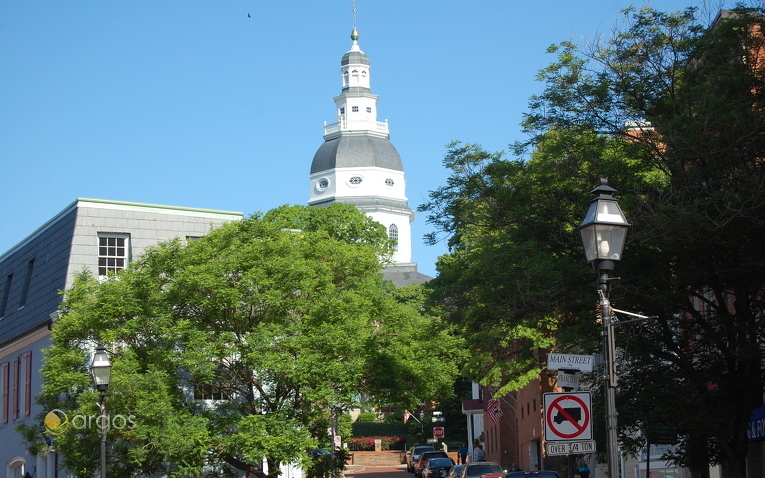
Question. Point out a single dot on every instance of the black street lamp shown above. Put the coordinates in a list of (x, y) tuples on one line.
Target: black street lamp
[(422, 425), (101, 370), (603, 230)]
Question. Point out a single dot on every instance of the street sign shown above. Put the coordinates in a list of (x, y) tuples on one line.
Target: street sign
[(338, 441), (568, 380), (582, 363), (438, 432), (570, 447), (567, 416), (432, 440)]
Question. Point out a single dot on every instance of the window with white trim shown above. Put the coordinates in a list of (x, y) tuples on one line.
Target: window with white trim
[(15, 467), (393, 234), (113, 253)]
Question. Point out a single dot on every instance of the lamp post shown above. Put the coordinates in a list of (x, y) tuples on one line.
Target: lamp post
[(101, 370), (422, 425), (603, 231)]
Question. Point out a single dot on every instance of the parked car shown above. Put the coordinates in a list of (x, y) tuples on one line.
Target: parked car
[(455, 471), (321, 454), (475, 470), (423, 460), (533, 474), (437, 468), (414, 455)]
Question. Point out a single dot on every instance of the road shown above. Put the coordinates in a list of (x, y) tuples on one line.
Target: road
[(377, 471)]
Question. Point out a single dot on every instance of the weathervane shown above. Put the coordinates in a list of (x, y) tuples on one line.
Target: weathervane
[(354, 32)]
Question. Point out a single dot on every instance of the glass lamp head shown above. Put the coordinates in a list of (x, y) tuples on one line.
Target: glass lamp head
[(101, 369), (604, 227)]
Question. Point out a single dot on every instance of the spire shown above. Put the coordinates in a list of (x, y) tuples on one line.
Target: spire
[(354, 32)]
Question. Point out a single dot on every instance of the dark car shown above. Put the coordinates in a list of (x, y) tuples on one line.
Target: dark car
[(320, 453), (414, 455), (437, 468), (532, 474), (475, 470), (423, 460), (455, 471)]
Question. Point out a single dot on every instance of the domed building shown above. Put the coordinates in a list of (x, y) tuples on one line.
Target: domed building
[(357, 164)]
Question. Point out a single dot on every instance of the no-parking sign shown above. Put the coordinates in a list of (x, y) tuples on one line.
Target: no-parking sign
[(567, 416)]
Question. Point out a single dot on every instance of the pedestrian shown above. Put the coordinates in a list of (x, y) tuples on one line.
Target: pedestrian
[(584, 469), (463, 451), (478, 454), (444, 447)]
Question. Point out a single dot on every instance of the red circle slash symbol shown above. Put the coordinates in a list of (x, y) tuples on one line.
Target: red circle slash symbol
[(572, 415)]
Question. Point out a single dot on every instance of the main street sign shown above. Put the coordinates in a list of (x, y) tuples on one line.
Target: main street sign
[(582, 363), (567, 416), (570, 447)]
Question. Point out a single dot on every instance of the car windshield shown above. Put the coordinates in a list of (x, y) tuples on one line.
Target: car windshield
[(421, 449), (440, 462), (478, 470), (433, 454)]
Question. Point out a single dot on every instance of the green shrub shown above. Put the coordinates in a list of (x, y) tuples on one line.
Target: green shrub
[(367, 417)]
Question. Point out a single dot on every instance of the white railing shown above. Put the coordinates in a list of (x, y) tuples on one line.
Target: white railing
[(356, 125)]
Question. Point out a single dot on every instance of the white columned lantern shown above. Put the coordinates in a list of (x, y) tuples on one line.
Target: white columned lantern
[(101, 369), (603, 228)]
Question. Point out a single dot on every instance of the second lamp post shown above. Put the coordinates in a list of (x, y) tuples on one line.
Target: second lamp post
[(101, 369)]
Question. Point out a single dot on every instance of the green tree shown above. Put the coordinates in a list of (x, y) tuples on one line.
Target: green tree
[(672, 111), (233, 348)]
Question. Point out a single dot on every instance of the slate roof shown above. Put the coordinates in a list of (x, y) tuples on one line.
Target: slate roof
[(354, 151)]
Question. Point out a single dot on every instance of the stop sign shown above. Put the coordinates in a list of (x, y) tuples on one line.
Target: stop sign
[(438, 432)]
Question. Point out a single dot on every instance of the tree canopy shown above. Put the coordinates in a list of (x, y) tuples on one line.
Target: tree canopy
[(671, 111), (233, 348)]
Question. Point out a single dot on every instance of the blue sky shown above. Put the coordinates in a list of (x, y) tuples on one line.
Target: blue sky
[(193, 103)]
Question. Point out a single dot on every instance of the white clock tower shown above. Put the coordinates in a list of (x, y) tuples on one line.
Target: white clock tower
[(357, 164)]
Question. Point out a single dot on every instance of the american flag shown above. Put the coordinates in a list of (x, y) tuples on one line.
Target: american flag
[(407, 416), (494, 409)]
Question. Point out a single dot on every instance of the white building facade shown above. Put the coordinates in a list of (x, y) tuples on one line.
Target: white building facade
[(357, 164), (97, 235)]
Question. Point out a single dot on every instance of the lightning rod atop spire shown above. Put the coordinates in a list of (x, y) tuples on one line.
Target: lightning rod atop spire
[(354, 32)]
